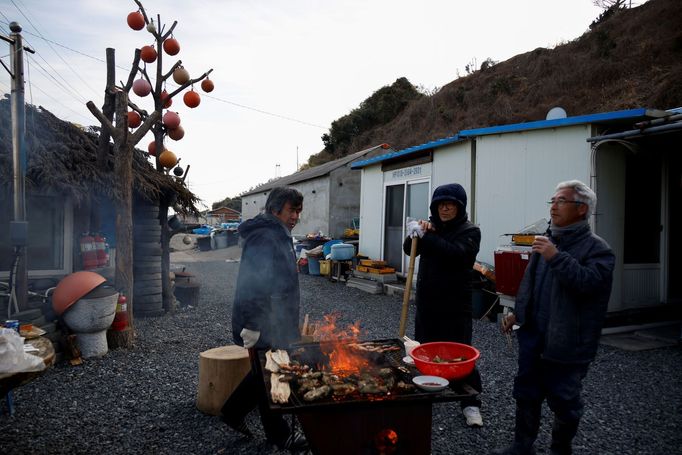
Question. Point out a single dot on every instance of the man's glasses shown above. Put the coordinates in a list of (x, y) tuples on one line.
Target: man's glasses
[(561, 201)]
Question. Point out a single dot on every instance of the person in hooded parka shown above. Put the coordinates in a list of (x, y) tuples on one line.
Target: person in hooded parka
[(447, 250)]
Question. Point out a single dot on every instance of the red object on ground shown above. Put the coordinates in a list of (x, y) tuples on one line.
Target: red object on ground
[(121, 316), (424, 354), (509, 269)]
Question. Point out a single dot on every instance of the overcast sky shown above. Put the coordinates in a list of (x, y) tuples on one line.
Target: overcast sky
[(283, 70)]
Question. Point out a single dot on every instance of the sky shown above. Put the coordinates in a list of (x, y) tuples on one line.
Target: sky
[(283, 71)]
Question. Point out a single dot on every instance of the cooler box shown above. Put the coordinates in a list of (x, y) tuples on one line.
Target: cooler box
[(509, 268), (342, 252), (327, 247)]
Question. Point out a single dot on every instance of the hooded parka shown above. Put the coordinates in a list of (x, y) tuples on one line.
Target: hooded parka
[(267, 297), (446, 259)]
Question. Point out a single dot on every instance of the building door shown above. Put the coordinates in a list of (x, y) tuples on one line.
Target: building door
[(402, 201), (393, 225), (643, 228), (674, 250), (417, 208)]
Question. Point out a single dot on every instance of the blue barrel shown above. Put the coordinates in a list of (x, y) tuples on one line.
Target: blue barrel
[(313, 265)]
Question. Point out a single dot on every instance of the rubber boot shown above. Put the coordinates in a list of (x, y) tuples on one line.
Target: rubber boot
[(563, 433), (525, 430)]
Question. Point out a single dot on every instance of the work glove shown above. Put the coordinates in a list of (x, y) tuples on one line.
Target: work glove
[(414, 229), (250, 337)]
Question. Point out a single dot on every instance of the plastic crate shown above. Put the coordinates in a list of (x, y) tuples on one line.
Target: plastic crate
[(325, 267)]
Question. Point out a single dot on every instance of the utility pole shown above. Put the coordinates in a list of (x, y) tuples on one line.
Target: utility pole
[(18, 225), (297, 158)]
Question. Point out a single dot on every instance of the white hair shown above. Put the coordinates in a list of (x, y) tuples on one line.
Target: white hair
[(583, 193)]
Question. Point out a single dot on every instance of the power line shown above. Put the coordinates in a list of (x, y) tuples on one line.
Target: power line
[(60, 103), (53, 49), (243, 106), (284, 117), (49, 75)]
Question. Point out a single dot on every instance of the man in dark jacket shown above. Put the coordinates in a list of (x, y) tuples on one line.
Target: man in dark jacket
[(560, 308), (265, 313), (447, 250)]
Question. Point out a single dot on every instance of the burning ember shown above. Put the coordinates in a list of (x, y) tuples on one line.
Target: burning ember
[(336, 344)]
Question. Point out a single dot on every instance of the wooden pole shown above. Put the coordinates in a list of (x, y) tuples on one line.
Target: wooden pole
[(408, 288), (123, 168)]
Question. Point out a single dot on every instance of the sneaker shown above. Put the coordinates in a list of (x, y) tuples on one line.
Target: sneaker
[(472, 414)]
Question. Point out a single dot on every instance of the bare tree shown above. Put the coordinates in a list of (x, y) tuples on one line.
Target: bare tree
[(117, 105)]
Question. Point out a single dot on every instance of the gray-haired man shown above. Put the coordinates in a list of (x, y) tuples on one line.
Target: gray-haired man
[(560, 308)]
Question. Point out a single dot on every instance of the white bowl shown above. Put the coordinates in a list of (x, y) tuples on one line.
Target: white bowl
[(430, 383)]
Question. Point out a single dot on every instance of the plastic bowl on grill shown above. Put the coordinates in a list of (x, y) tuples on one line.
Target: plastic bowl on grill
[(424, 354)]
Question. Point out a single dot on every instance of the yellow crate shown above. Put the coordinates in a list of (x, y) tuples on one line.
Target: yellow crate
[(521, 239), (325, 267), (372, 263), (382, 270)]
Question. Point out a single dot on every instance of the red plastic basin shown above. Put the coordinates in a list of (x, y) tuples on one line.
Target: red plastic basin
[(424, 354)]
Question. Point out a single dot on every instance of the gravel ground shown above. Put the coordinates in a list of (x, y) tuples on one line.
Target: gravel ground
[(143, 400)]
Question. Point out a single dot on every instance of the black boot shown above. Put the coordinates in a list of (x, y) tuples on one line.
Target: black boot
[(563, 432), (525, 430)]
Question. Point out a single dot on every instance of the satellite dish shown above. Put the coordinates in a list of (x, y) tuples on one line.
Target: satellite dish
[(555, 113)]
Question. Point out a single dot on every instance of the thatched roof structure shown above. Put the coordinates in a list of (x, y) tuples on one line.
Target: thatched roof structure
[(62, 159)]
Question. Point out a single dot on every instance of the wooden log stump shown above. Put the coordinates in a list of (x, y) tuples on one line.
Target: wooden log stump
[(120, 338), (220, 372)]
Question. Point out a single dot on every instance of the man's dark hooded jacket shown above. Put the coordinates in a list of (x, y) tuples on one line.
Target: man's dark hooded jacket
[(446, 259), (268, 296)]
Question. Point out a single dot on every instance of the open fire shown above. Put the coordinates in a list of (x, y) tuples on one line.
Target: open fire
[(338, 346)]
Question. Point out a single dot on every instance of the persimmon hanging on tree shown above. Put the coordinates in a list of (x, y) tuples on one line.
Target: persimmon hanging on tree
[(171, 120), (191, 99), (168, 159), (134, 119), (171, 46), (151, 148), (136, 20), (142, 87), (180, 75), (207, 85), (176, 133), (148, 54), (167, 101)]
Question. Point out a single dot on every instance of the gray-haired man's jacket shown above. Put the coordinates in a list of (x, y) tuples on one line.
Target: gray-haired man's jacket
[(580, 277)]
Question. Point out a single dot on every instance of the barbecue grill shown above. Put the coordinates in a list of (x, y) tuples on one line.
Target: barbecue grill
[(398, 422)]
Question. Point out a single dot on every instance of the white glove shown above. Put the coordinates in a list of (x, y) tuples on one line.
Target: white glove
[(414, 229), (250, 337)]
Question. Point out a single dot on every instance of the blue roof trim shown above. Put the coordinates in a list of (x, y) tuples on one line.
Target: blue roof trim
[(580, 119), (407, 151)]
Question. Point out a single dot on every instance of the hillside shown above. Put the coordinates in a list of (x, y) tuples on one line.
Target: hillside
[(631, 59)]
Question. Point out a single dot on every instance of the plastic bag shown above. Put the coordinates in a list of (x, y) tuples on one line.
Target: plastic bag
[(13, 359)]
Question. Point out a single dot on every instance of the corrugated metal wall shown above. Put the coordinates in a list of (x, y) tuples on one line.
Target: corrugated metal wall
[(516, 174)]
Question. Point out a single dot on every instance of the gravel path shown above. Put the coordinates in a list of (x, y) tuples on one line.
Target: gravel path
[(142, 401)]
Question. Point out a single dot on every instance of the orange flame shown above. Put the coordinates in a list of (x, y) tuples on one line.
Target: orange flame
[(343, 360)]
